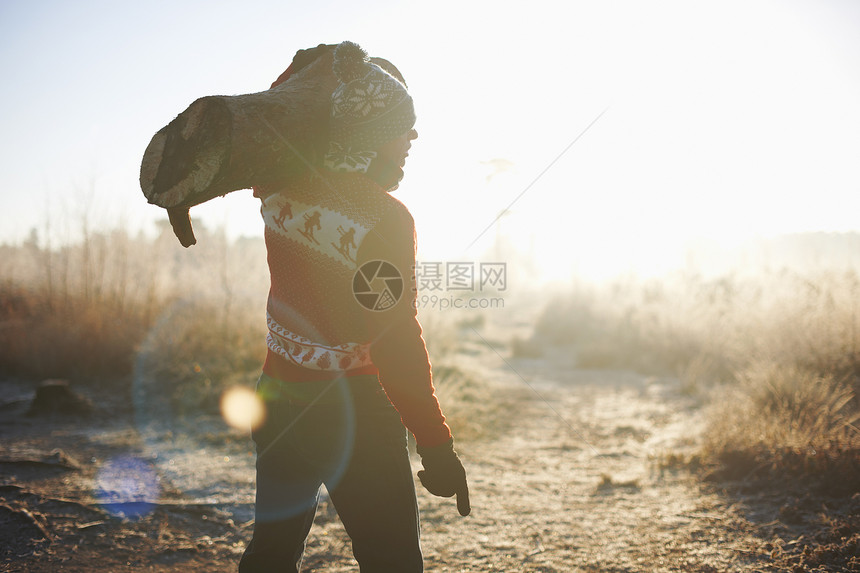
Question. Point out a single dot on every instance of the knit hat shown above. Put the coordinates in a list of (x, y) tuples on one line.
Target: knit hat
[(370, 106)]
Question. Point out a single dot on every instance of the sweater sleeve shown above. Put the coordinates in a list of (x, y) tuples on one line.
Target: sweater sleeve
[(397, 346)]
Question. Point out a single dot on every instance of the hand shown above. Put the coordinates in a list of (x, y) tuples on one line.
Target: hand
[(444, 475)]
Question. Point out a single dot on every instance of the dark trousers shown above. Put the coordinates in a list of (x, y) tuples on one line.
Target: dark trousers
[(348, 436)]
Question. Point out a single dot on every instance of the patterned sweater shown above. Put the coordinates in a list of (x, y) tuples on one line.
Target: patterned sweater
[(319, 232)]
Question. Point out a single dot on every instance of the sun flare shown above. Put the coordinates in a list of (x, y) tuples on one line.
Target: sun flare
[(242, 408)]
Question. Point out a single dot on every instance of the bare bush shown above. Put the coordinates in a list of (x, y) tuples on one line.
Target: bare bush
[(84, 310), (778, 354)]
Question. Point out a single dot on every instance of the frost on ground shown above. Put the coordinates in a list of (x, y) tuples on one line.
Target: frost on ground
[(575, 483), (566, 469)]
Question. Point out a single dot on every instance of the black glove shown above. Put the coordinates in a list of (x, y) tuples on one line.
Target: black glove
[(443, 474)]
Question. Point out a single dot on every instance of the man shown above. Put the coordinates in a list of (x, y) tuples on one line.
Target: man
[(347, 367)]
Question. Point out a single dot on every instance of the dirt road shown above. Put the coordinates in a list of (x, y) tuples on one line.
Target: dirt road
[(565, 477), (575, 482)]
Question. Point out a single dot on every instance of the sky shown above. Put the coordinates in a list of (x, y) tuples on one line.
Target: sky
[(587, 137)]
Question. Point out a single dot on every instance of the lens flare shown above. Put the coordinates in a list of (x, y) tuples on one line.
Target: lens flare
[(127, 486), (242, 408)]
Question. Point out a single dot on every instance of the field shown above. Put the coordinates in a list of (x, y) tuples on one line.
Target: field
[(692, 423)]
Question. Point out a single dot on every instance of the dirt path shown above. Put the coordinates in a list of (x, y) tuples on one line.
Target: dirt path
[(573, 485), (567, 480)]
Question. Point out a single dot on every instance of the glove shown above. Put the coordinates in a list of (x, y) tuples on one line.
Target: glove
[(444, 475)]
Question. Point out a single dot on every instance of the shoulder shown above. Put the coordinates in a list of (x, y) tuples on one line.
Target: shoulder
[(389, 210), (400, 212)]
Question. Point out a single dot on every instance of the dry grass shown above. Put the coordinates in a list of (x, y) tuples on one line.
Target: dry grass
[(188, 323), (93, 311), (777, 355), (781, 421), (194, 353), (473, 409), (780, 351)]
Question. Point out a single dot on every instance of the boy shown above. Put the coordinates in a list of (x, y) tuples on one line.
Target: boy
[(347, 367)]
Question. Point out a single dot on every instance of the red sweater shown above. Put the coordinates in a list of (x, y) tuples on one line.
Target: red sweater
[(319, 232)]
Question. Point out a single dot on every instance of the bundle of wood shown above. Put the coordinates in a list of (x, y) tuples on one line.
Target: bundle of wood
[(221, 144)]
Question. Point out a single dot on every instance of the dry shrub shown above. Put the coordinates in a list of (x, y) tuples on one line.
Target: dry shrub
[(441, 335), (525, 348), (82, 340), (812, 406), (106, 307), (475, 409), (196, 351), (710, 328), (778, 353), (460, 393), (463, 398), (654, 327), (786, 421)]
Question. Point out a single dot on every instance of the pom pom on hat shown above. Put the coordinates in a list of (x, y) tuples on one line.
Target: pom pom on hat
[(350, 62)]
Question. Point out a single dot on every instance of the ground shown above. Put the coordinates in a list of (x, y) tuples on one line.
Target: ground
[(570, 470)]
